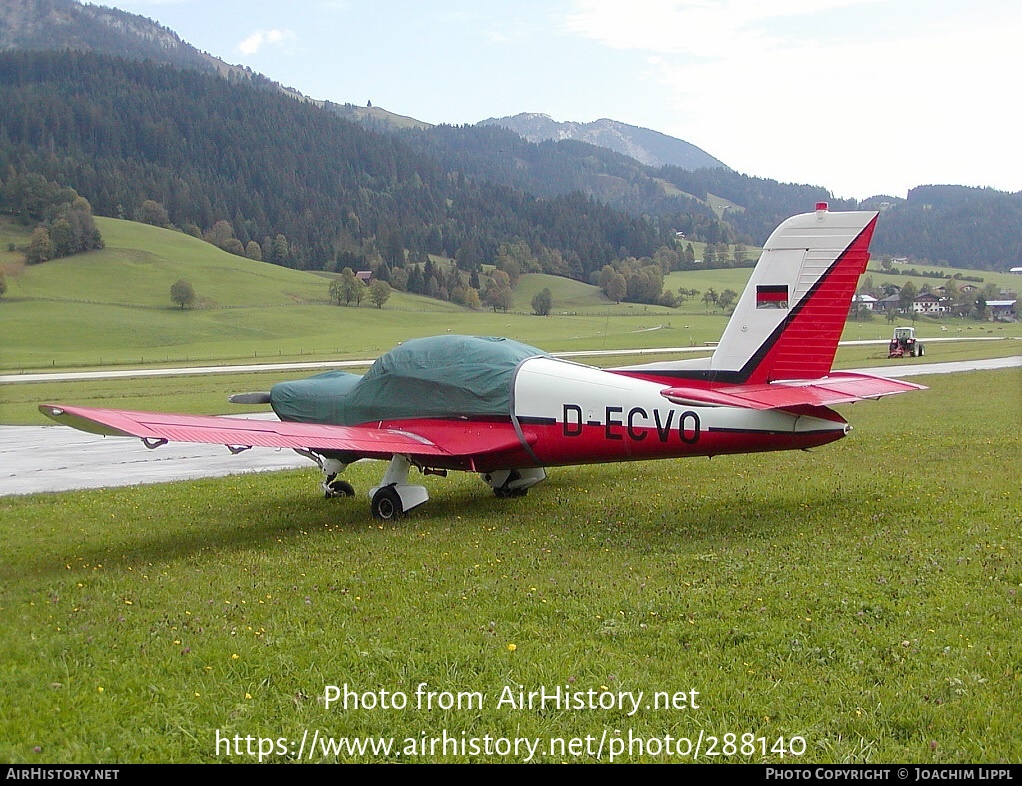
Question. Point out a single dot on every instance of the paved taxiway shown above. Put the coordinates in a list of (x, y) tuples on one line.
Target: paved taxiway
[(324, 365), (55, 458)]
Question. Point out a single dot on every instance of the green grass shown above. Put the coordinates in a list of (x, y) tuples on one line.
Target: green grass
[(703, 280), (112, 307), (568, 295), (864, 597), (45, 335)]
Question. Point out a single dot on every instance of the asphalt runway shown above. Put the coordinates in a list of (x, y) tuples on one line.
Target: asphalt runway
[(325, 365), (55, 458)]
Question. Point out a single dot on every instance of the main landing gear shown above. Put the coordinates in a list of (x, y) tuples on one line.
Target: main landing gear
[(390, 500), (510, 483), (395, 496)]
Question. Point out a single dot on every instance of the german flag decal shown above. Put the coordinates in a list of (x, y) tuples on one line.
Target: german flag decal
[(772, 296)]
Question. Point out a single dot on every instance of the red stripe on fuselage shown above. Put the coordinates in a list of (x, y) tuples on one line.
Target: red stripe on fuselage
[(559, 444), (622, 438)]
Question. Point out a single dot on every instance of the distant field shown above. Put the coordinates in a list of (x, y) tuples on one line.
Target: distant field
[(567, 295), (862, 600), (113, 307), (703, 280), (1003, 280)]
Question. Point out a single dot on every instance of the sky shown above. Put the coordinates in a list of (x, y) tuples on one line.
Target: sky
[(863, 97)]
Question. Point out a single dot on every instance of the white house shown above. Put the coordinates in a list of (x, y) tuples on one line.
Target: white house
[(929, 303)]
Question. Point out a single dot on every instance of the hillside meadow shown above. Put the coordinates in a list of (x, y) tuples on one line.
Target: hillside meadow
[(113, 307), (857, 603)]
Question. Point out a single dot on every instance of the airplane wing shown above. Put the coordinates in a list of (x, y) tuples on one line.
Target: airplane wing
[(837, 388), (437, 438)]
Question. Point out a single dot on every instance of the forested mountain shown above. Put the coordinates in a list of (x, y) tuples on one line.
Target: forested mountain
[(676, 198), (644, 145), (956, 225), (210, 151), (53, 25), (761, 203), (551, 169)]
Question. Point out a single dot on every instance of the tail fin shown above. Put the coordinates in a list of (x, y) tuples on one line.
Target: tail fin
[(789, 319)]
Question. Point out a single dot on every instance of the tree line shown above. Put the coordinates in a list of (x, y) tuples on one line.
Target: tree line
[(62, 219), (250, 169)]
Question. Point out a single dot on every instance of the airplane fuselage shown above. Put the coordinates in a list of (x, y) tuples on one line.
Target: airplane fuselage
[(565, 413)]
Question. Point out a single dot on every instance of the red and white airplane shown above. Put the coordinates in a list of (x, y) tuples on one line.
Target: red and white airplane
[(507, 411)]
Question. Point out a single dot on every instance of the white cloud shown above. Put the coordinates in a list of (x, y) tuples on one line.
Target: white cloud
[(260, 38), (781, 89), (703, 28)]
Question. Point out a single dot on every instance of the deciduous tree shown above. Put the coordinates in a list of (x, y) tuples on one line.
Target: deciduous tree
[(40, 248), (379, 293), (181, 292), (542, 302), (152, 212), (726, 298), (617, 287)]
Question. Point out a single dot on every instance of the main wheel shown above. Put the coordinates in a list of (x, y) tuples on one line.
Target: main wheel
[(339, 488), (386, 504), (920, 351), (503, 492)]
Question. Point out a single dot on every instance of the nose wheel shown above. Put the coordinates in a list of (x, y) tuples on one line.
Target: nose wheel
[(338, 488)]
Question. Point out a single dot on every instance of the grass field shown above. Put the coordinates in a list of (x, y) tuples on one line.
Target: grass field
[(862, 598)]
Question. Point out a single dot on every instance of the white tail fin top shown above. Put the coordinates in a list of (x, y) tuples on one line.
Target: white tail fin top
[(789, 318)]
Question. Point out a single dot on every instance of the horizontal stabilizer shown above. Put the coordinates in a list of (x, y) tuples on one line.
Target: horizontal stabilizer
[(838, 388)]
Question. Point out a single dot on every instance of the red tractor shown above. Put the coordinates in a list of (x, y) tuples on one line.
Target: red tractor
[(905, 343)]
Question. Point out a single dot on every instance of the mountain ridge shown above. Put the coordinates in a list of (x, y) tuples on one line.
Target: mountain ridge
[(976, 227), (645, 145)]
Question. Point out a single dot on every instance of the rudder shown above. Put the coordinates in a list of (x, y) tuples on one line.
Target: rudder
[(789, 318)]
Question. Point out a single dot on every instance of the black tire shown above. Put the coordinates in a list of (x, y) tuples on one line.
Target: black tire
[(502, 492), (340, 488), (386, 505), (921, 351)]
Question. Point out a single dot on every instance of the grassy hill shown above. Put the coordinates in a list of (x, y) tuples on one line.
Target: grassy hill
[(113, 307), (568, 295), (141, 262)]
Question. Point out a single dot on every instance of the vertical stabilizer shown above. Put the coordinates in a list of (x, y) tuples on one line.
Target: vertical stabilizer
[(789, 318)]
